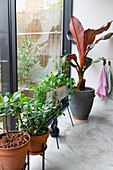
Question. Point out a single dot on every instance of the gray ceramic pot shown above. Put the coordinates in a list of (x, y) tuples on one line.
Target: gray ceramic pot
[(81, 103)]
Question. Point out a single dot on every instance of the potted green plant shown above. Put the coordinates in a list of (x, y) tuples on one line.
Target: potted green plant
[(14, 144), (56, 87), (61, 84), (82, 99), (34, 120)]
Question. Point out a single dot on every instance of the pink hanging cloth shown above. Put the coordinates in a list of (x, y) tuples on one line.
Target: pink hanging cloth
[(101, 89)]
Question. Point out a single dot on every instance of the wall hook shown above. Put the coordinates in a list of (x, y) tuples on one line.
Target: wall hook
[(104, 62), (109, 63)]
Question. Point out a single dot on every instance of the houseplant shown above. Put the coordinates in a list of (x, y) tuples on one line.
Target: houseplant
[(85, 41), (33, 121), (55, 88), (13, 144)]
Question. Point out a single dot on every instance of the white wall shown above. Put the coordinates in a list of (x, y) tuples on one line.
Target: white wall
[(93, 14)]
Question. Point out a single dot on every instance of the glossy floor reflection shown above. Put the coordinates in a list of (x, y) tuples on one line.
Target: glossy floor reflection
[(86, 146)]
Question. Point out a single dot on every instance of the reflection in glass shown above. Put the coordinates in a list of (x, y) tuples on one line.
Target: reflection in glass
[(39, 25)]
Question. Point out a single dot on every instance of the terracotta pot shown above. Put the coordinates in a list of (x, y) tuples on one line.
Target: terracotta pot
[(36, 142), (14, 158)]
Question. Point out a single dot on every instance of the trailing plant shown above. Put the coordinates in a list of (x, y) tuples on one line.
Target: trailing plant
[(27, 52), (40, 93), (85, 41), (52, 82)]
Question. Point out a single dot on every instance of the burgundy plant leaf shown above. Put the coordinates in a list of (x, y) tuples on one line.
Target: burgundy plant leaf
[(105, 37), (87, 63), (77, 30), (90, 34), (69, 57), (72, 57), (71, 38)]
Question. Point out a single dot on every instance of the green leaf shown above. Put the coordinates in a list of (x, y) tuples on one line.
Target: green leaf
[(1, 100), (55, 72), (16, 95), (24, 99), (33, 87), (5, 99), (9, 95)]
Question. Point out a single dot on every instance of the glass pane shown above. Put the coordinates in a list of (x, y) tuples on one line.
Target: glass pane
[(39, 32), (4, 50)]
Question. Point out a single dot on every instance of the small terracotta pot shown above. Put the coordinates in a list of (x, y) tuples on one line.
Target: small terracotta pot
[(36, 142), (14, 158)]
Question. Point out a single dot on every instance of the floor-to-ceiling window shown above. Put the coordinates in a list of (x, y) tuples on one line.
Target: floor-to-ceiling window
[(39, 39)]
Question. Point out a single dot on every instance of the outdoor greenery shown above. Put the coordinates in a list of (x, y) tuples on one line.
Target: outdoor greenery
[(58, 4), (27, 52)]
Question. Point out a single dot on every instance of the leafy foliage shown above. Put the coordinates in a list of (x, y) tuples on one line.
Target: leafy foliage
[(57, 79), (31, 114), (52, 82), (27, 52), (58, 4), (85, 41), (40, 93), (35, 116), (9, 104)]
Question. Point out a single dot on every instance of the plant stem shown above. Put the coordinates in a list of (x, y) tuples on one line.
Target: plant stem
[(20, 118), (38, 130), (6, 127)]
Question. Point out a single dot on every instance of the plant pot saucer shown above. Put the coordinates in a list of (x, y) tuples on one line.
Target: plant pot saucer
[(83, 118), (38, 153)]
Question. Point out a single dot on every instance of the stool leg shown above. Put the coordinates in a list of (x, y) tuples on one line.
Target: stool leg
[(70, 116), (28, 160), (57, 142), (43, 156), (24, 166)]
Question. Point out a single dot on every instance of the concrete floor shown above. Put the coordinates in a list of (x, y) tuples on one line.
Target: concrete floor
[(86, 146)]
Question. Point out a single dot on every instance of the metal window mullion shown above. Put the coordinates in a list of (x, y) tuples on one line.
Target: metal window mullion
[(67, 12), (12, 55)]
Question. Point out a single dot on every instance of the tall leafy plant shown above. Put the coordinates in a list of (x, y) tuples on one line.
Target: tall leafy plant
[(27, 52), (85, 41)]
